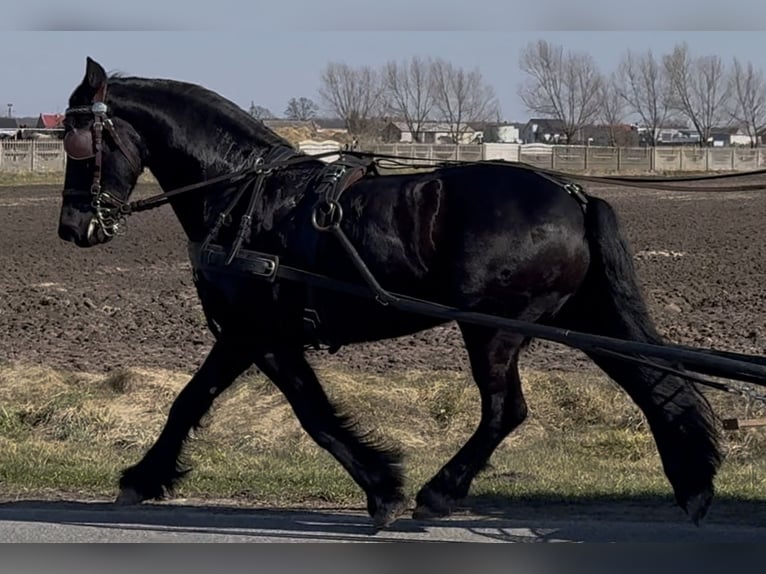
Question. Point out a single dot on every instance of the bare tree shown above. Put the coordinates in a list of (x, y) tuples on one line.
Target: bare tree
[(613, 108), (259, 112), (354, 95), (461, 97), (644, 86), (408, 92), (301, 109), (699, 89), (562, 86), (748, 102)]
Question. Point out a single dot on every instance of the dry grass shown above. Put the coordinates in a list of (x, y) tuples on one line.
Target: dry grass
[(72, 433)]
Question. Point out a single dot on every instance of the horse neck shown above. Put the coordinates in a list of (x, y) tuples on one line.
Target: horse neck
[(180, 152)]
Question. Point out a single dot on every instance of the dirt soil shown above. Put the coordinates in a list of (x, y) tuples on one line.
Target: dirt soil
[(701, 258)]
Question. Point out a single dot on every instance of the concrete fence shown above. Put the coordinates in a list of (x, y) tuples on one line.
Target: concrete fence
[(48, 156), (32, 156), (593, 159)]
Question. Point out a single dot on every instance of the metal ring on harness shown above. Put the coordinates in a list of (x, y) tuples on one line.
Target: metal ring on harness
[(330, 211)]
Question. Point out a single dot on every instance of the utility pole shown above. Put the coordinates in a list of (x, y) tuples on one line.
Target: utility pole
[(10, 110)]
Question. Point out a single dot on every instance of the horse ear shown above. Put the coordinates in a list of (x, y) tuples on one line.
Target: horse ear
[(95, 76)]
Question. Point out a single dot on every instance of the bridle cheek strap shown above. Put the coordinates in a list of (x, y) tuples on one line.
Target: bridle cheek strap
[(81, 145)]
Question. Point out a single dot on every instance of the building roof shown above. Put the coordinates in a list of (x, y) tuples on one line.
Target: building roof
[(51, 121)]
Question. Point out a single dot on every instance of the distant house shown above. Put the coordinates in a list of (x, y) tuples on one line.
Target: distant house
[(551, 131), (729, 136), (429, 132), (50, 121), (621, 135), (543, 130), (498, 132), (675, 136), (31, 127), (8, 127), (27, 122)]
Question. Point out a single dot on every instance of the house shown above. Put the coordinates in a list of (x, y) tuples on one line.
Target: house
[(498, 132), (43, 126), (729, 136), (8, 127), (667, 135), (27, 122), (551, 131), (543, 130), (620, 135), (430, 132), (50, 121)]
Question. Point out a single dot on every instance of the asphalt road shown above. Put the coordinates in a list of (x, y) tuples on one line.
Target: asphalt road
[(100, 522)]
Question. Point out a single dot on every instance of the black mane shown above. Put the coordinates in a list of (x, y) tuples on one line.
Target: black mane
[(201, 113)]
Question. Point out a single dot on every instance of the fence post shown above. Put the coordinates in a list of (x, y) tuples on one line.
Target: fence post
[(32, 149), (2, 154)]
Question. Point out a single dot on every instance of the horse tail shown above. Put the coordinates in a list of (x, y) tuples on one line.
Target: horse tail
[(610, 303)]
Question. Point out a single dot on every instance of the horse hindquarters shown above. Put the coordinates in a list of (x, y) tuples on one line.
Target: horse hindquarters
[(610, 303)]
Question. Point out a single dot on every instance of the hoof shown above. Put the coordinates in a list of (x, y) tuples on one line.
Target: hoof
[(431, 505), (128, 497), (385, 512), (698, 505)]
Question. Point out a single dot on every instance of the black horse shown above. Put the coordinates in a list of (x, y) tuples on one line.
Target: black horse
[(496, 239)]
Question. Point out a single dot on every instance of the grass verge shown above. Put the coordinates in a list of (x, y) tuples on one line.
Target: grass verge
[(71, 433)]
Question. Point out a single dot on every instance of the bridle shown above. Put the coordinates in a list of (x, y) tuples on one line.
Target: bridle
[(84, 145)]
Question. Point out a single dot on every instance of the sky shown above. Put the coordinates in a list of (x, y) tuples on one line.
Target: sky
[(267, 52)]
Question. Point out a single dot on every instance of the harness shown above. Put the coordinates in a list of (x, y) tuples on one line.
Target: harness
[(326, 215)]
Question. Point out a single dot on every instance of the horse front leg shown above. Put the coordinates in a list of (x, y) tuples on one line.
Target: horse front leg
[(377, 470), (159, 470)]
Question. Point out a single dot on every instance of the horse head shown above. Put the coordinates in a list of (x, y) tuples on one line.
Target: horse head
[(105, 157)]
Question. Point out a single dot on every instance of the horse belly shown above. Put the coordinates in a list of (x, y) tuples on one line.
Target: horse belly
[(346, 320)]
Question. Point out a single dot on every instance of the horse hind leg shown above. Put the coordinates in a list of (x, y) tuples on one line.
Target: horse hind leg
[(682, 421), (493, 357)]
